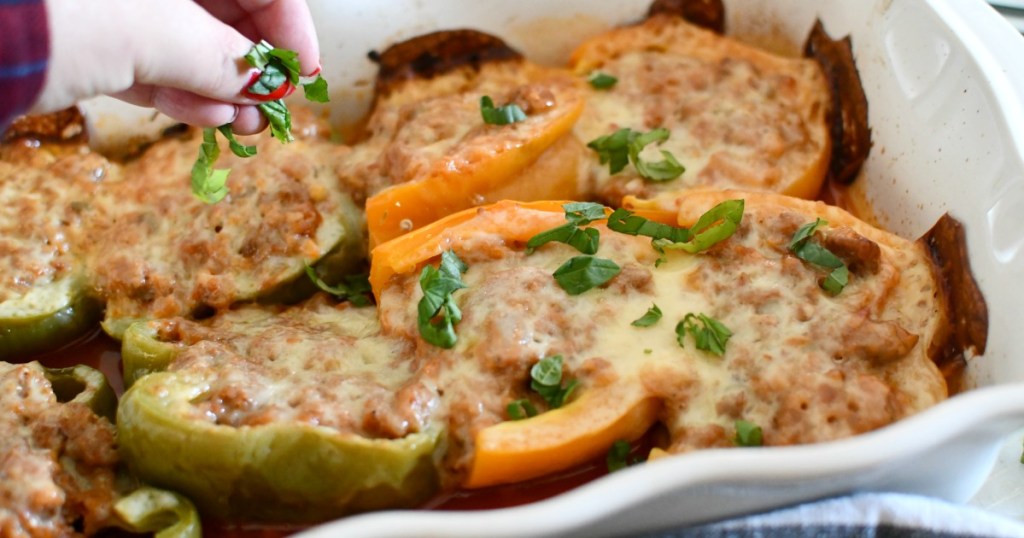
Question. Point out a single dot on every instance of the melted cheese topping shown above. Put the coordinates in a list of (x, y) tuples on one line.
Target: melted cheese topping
[(134, 234), (316, 364), (738, 117), (434, 126), (46, 200), (57, 461)]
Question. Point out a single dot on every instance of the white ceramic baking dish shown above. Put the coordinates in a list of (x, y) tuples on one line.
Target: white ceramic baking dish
[(945, 83)]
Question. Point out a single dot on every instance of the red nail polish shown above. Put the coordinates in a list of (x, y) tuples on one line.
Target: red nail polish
[(282, 91), (315, 71)]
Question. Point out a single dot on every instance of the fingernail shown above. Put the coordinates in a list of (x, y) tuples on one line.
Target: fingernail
[(254, 75), (284, 90), (316, 71), (234, 116)]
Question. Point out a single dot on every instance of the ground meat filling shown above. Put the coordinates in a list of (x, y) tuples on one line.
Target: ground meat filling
[(57, 461), (319, 364)]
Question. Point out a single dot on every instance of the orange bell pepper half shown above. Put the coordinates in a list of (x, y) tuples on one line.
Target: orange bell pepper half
[(555, 440), (484, 166)]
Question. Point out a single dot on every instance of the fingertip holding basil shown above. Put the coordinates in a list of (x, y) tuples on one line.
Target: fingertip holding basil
[(279, 69)]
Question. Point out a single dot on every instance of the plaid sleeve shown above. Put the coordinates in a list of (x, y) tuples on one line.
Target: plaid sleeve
[(24, 51)]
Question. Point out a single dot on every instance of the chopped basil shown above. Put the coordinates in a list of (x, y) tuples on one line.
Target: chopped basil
[(716, 225), (237, 147), (813, 253), (601, 81), (747, 434), (316, 91), (578, 214), (546, 380), (624, 146), (354, 288), (582, 273), (624, 221), (652, 316), (208, 184), (504, 115), (437, 311), (711, 336), (521, 409), (277, 67), (280, 119), (618, 456)]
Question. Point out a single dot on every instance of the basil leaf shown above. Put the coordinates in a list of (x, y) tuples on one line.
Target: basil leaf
[(601, 81), (836, 281), (618, 456), (811, 252), (583, 213), (437, 312), (711, 336), (237, 147), (288, 62), (804, 233), (716, 225), (613, 149), (586, 241), (316, 91), (505, 115), (652, 316), (578, 214), (663, 170), (582, 273), (546, 380), (748, 434), (280, 119), (547, 371), (624, 146), (270, 79), (257, 55), (354, 288), (624, 221), (521, 409), (209, 185)]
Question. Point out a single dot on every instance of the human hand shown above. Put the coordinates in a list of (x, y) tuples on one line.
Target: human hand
[(182, 57)]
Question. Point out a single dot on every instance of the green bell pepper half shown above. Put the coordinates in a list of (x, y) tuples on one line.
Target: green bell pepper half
[(84, 385), (277, 472), (36, 330)]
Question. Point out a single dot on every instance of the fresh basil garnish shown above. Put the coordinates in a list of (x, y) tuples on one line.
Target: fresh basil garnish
[(437, 311), (503, 115), (747, 434), (582, 273), (813, 253), (652, 316), (711, 335), (624, 146), (577, 214), (601, 81)]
